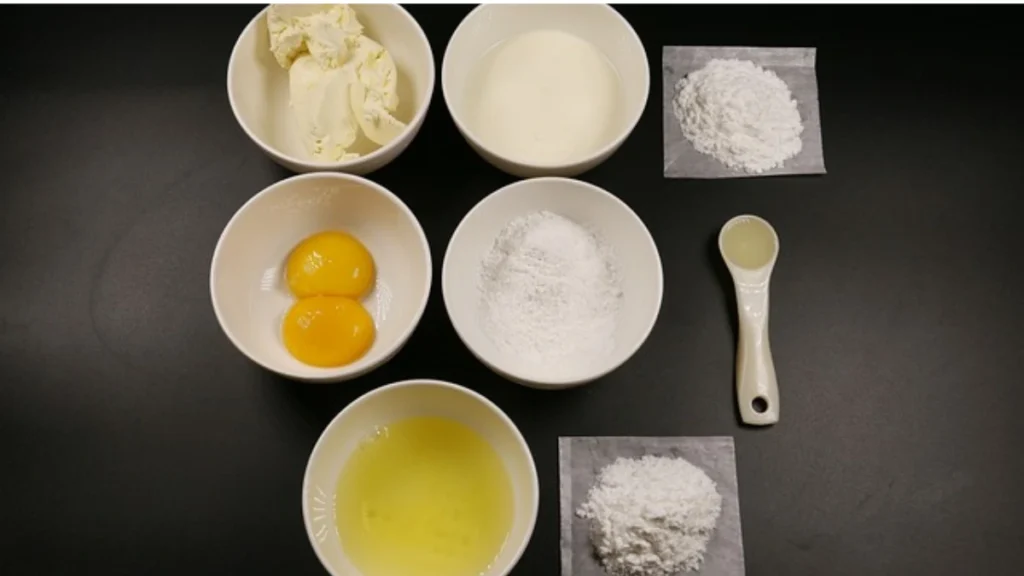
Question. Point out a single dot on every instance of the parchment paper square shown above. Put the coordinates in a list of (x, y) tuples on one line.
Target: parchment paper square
[(795, 66), (581, 458)]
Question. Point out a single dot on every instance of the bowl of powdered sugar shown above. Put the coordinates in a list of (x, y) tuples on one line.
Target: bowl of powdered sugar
[(552, 282)]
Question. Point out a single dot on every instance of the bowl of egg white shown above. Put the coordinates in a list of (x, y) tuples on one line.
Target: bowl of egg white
[(545, 90), (420, 477), (321, 277), (331, 86)]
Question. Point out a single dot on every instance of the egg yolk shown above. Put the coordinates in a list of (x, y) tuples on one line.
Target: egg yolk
[(330, 264), (327, 331)]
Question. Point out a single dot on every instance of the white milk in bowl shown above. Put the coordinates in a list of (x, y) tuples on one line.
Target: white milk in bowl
[(544, 97)]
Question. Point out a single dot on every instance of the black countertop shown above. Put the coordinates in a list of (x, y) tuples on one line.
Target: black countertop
[(136, 440)]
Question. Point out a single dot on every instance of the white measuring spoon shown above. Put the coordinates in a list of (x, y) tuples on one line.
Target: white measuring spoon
[(750, 246)]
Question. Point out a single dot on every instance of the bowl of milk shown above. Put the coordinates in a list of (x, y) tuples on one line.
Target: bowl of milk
[(545, 90)]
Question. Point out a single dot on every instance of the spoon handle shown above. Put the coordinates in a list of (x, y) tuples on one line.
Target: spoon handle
[(757, 390)]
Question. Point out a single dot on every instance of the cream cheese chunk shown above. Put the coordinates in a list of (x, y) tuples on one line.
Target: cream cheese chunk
[(320, 99), (340, 81)]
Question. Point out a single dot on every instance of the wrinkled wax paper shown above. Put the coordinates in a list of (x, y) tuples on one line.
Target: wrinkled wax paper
[(580, 459), (795, 66)]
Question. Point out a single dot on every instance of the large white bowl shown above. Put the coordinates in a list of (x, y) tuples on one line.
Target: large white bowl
[(491, 24), (635, 252), (258, 89), (251, 297), (396, 402)]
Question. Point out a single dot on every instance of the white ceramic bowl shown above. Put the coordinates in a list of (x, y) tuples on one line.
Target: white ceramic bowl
[(251, 297), (404, 400), (635, 253), (258, 89), (490, 24)]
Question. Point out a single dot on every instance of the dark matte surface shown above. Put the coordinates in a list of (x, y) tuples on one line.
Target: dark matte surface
[(135, 440)]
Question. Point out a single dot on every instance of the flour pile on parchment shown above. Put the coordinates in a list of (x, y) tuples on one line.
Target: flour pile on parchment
[(651, 516)]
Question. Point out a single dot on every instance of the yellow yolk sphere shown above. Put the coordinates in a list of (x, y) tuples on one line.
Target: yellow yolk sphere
[(327, 331), (330, 264)]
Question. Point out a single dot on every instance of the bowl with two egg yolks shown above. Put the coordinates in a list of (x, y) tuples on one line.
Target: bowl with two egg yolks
[(266, 261)]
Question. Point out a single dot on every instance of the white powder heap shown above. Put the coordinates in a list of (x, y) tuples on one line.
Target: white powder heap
[(739, 113), (550, 293), (651, 516)]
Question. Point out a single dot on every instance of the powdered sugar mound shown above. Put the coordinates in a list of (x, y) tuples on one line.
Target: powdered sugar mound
[(739, 113), (651, 516), (550, 292)]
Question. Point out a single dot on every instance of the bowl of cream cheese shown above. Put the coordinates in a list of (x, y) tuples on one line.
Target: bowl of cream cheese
[(545, 90), (331, 86)]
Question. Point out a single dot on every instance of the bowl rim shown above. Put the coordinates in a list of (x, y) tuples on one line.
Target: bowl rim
[(531, 380), (534, 504), (344, 372), (606, 150), (316, 165)]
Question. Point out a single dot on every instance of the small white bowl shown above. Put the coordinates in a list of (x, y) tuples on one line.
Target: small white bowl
[(251, 297), (636, 256), (404, 400), (490, 24), (258, 89)]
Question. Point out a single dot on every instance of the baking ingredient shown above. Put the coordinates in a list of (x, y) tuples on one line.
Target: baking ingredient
[(426, 496), (330, 264), (340, 81), (651, 516), (544, 97), (327, 331), (749, 244), (739, 113), (327, 326), (550, 293), (373, 113), (323, 113)]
